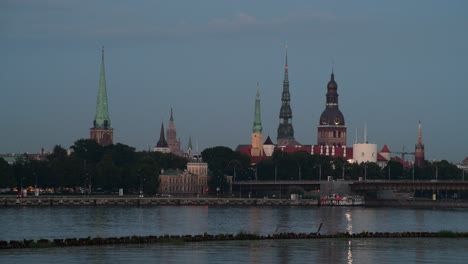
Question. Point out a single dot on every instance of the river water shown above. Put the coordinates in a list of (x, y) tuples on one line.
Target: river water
[(74, 222)]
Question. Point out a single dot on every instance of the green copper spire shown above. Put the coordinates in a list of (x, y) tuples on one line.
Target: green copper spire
[(102, 119), (257, 125), (190, 143)]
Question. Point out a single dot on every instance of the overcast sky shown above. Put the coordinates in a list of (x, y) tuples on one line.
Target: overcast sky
[(396, 62)]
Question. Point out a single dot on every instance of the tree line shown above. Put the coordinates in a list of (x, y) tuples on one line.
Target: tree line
[(301, 165), (90, 166), (109, 168)]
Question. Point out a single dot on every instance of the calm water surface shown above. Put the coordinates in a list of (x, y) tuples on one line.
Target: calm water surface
[(63, 222)]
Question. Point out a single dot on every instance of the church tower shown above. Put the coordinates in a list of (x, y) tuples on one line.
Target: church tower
[(172, 141), (189, 153), (332, 129), (419, 149), (257, 135), (285, 128), (101, 130), (162, 145)]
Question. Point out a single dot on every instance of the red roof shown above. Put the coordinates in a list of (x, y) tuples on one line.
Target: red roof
[(385, 149), (317, 150), (405, 164), (380, 157), (465, 161)]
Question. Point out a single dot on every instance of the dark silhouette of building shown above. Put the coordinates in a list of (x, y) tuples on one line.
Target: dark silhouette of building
[(162, 145), (285, 128), (332, 129)]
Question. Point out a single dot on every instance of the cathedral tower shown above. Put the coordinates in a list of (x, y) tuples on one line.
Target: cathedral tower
[(172, 141), (419, 149), (332, 129), (285, 128), (101, 130), (257, 135)]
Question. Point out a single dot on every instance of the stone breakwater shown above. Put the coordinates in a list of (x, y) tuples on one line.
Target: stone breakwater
[(72, 242), (153, 201)]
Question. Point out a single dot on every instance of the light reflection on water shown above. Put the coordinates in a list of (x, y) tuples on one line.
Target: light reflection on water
[(270, 251), (65, 222)]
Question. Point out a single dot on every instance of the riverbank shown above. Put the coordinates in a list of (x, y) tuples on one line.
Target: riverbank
[(418, 203), (158, 201), (150, 201)]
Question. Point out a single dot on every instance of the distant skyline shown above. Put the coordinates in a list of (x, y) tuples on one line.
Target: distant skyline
[(395, 62)]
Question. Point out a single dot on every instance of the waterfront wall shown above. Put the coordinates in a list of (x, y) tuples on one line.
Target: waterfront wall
[(418, 203), (122, 201)]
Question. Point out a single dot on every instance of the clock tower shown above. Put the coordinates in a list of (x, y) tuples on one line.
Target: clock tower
[(332, 129)]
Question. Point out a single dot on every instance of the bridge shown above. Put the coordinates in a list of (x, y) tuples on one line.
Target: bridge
[(409, 185), (263, 188)]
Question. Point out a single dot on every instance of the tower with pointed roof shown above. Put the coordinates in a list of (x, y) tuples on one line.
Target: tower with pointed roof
[(268, 147), (257, 134), (419, 149), (172, 141), (332, 128), (101, 130), (189, 148), (285, 128), (162, 145)]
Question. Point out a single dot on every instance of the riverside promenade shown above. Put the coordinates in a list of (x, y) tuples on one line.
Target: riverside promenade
[(148, 201)]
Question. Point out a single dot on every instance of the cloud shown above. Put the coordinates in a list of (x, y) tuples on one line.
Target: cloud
[(63, 19)]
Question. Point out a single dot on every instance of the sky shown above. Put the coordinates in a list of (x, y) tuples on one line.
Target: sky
[(395, 62)]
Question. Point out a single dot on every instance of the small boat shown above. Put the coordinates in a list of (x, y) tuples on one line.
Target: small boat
[(338, 200)]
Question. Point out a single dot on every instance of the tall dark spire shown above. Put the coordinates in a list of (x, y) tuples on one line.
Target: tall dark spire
[(171, 119), (285, 128), (162, 143)]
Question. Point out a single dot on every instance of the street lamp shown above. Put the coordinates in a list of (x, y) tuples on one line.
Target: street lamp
[(389, 168), (320, 171), (36, 191), (21, 186), (276, 172), (365, 172)]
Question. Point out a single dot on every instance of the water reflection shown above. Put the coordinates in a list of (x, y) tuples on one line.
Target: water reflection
[(269, 251), (350, 253), (62, 222)]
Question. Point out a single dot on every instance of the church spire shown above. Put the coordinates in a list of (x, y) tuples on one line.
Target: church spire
[(102, 119), (171, 119), (419, 134), (190, 143), (285, 128), (286, 71), (257, 125), (419, 149), (101, 131), (162, 143), (257, 135)]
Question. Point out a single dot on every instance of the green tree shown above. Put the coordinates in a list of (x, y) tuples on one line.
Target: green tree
[(393, 170), (6, 175), (148, 174)]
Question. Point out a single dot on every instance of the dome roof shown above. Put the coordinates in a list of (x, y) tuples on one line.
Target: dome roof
[(332, 117), (332, 84)]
